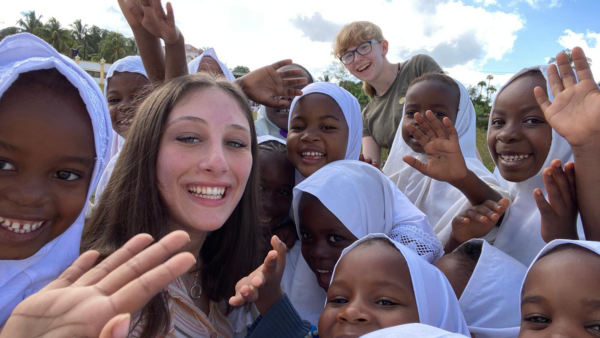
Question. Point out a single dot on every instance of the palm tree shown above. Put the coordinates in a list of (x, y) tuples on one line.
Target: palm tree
[(472, 92), (114, 47), (481, 84), (30, 22), (79, 34), (490, 90), (489, 78), (568, 52), (8, 31), (58, 37)]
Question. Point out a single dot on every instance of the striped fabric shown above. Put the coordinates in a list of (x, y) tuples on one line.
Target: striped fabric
[(188, 321)]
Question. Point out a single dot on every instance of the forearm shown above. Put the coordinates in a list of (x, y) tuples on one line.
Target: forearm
[(587, 162), (371, 149), (476, 190), (175, 60), (282, 320), (151, 53)]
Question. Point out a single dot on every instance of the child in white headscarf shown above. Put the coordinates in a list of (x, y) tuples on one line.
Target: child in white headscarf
[(487, 283), (433, 162), (208, 62), (337, 205), (126, 79), (56, 132), (560, 294), (324, 126), (413, 331)]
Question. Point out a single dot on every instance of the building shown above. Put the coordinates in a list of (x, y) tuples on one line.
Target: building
[(97, 70), (192, 52)]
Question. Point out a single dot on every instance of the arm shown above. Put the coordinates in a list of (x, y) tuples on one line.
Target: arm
[(282, 320), (371, 150), (574, 114), (445, 160)]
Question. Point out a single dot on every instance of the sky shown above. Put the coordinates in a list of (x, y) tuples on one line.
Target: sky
[(469, 39)]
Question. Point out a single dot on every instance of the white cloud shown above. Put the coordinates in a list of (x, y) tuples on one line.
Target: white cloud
[(258, 32), (487, 2), (540, 4), (589, 41)]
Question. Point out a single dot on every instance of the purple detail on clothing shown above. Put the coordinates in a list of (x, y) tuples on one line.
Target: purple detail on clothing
[(283, 133)]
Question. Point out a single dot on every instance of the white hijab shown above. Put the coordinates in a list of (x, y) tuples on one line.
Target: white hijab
[(264, 126), (19, 54), (412, 331), (440, 201), (491, 301), (365, 201), (129, 64), (519, 234), (349, 106), (436, 300), (195, 63)]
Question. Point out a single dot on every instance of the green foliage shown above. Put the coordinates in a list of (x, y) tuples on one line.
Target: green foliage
[(54, 34), (484, 152), (355, 88), (29, 22), (241, 69), (8, 31), (114, 47)]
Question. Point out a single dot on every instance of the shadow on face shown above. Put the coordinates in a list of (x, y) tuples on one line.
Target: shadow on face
[(276, 187)]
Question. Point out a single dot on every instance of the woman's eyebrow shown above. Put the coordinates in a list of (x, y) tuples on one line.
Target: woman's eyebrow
[(189, 118)]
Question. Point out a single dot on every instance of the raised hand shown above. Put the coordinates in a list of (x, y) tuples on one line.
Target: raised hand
[(478, 221), (84, 300), (559, 213), (287, 234), (440, 142), (158, 23), (133, 13), (269, 87), (575, 112), (263, 285)]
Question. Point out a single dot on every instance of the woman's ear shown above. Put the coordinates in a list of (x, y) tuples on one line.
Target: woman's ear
[(384, 47)]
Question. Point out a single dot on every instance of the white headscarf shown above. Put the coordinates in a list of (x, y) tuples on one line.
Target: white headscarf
[(264, 126), (436, 300), (440, 201), (129, 64), (349, 106), (365, 201), (19, 279), (267, 138), (195, 63), (491, 301), (519, 234), (412, 331)]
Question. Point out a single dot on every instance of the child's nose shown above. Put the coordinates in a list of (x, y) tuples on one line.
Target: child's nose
[(310, 135), (30, 194), (353, 313), (509, 134)]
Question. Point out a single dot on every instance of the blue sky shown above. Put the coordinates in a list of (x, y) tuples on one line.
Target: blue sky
[(469, 38)]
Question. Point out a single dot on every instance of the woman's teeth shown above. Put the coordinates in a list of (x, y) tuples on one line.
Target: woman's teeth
[(513, 158), (312, 154), (364, 67), (323, 271), (211, 193), (19, 226)]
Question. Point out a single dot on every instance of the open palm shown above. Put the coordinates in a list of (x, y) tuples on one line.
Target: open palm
[(440, 142), (268, 86), (575, 112), (83, 299)]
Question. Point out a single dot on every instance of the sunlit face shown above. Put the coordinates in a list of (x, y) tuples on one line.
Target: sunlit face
[(519, 137), (280, 116), (368, 67), (47, 158), (323, 237), (561, 296), (122, 90), (318, 133), (204, 160), (440, 98), (371, 290), (276, 188)]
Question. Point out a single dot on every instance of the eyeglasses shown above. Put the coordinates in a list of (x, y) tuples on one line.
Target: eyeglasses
[(363, 49)]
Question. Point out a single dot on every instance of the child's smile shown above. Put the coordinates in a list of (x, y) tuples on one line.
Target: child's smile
[(20, 226)]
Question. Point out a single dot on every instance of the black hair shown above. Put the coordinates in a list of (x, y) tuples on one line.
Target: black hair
[(376, 240), (565, 247), (272, 146), (439, 77), (50, 79), (468, 255)]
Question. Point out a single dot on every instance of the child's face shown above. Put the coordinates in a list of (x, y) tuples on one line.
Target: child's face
[(438, 97), (209, 65), (280, 116), (204, 160), (276, 187), (519, 137), (323, 237), (318, 133), (372, 290), (46, 163), (454, 269), (122, 89), (561, 296)]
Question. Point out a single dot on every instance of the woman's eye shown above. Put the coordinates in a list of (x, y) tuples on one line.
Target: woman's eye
[(66, 175), (385, 302), (236, 144), (533, 121), (283, 192), (335, 239), (538, 320), (5, 166), (188, 139)]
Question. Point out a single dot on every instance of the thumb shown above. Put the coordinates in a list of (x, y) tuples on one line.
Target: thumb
[(504, 203), (413, 162), (117, 327), (281, 249)]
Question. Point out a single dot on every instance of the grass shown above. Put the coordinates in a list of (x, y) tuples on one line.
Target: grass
[(484, 152)]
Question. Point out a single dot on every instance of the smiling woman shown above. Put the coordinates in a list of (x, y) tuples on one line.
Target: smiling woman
[(187, 164)]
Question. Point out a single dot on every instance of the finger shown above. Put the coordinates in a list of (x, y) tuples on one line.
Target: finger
[(562, 181), (451, 130), (543, 206), (282, 63), (554, 79), (460, 221), (475, 215), (133, 296), (158, 10), (436, 124), (145, 3), (555, 197), (143, 262), (117, 327), (296, 81), (426, 126), (125, 253), (418, 134), (581, 65), (565, 69), (570, 172), (81, 265), (281, 249), (290, 73), (250, 293), (494, 206), (413, 162), (542, 99), (490, 213), (170, 15), (270, 264)]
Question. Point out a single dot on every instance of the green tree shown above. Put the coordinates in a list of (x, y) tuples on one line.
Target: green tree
[(57, 36), (8, 31), (114, 47), (95, 35), (336, 70), (79, 34), (241, 69), (490, 90), (30, 22), (568, 52), (481, 85)]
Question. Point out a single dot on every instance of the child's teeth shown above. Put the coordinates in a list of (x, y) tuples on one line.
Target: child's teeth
[(16, 225), (26, 226)]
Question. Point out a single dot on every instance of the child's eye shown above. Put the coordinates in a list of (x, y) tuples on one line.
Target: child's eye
[(66, 175), (411, 113), (283, 192), (335, 239), (297, 128), (439, 114), (533, 121), (594, 327), (339, 301), (306, 235), (236, 144), (113, 100), (5, 166), (188, 139), (328, 128), (385, 302), (538, 320), (497, 122)]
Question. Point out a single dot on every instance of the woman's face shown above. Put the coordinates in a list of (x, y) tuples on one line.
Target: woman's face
[(204, 160), (368, 67)]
